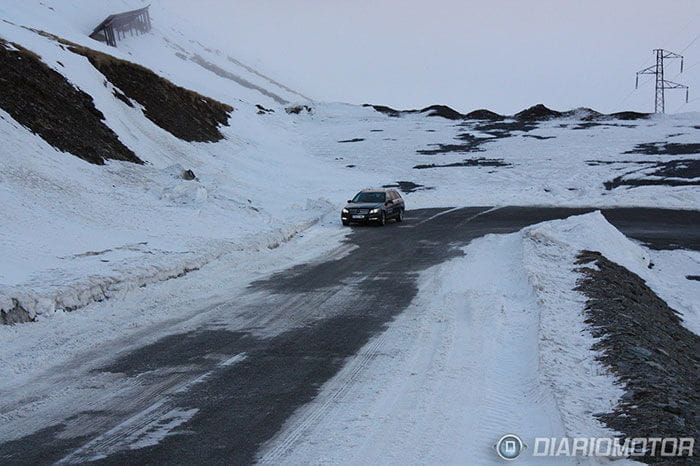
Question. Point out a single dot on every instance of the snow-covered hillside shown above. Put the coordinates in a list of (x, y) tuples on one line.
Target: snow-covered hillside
[(164, 187), (97, 231)]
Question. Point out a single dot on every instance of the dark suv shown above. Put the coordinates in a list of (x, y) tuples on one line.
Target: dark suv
[(374, 205)]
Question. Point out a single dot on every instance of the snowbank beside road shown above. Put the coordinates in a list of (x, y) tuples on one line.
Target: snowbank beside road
[(495, 342), (581, 384)]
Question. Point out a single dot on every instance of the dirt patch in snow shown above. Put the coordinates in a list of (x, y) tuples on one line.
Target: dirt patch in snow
[(43, 101), (408, 186), (593, 124), (504, 129), (683, 172), (629, 115), (480, 162), (471, 144), (663, 148), (645, 345), (181, 112)]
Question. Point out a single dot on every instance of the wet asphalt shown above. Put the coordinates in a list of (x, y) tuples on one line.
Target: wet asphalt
[(234, 407)]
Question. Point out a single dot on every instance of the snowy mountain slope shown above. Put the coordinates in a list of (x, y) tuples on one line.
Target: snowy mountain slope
[(486, 346), (97, 231), (171, 36), (122, 225)]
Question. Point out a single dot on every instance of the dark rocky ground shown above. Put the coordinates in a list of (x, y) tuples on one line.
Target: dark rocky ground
[(183, 113), (408, 186), (537, 112), (665, 148), (43, 101), (496, 129), (479, 162), (683, 172), (644, 344)]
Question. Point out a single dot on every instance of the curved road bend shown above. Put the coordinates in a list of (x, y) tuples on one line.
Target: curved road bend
[(220, 392)]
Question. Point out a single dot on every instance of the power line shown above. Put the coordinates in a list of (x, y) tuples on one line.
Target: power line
[(686, 103), (661, 83), (679, 32), (691, 43)]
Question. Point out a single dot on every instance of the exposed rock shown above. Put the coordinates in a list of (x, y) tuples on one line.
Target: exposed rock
[(188, 175), (120, 95), (582, 113), (183, 113), (480, 162), (16, 315), (297, 109), (442, 111), (483, 114), (43, 101), (644, 344), (537, 113), (262, 110), (664, 148), (408, 186), (683, 172), (385, 110), (629, 115)]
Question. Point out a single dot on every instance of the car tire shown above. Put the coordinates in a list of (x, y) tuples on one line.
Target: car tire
[(399, 218), (345, 223), (382, 219)]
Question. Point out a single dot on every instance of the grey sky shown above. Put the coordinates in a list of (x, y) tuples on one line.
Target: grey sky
[(501, 54)]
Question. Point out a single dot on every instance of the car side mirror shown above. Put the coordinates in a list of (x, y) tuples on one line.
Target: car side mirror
[(388, 202), (349, 201)]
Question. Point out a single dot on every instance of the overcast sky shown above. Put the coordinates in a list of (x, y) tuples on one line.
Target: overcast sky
[(498, 54)]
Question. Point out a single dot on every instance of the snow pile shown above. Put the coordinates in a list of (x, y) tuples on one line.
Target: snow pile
[(581, 386)]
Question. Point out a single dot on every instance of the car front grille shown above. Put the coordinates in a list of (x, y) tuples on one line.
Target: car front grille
[(359, 211)]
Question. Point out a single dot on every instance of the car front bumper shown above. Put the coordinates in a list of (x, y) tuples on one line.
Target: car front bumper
[(361, 218)]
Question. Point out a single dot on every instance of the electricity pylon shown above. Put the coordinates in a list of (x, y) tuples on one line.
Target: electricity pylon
[(661, 83)]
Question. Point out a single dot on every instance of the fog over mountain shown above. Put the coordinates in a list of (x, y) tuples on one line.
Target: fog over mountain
[(504, 55)]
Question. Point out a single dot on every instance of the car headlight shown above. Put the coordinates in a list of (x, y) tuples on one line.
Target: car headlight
[(374, 211), (345, 211)]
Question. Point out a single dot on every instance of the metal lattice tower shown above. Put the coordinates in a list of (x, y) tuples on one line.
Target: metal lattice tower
[(661, 83)]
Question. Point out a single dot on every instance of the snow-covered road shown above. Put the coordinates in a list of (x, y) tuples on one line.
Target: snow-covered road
[(419, 342), (452, 374)]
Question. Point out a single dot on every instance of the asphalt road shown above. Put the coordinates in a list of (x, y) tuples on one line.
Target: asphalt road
[(223, 390)]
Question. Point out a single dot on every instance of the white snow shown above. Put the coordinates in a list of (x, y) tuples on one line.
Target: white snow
[(97, 232), (494, 343), (581, 386)]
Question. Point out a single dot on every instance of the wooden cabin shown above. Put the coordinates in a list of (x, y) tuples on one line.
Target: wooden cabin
[(116, 27)]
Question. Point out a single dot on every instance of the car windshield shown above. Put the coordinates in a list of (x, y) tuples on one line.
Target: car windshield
[(369, 197)]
